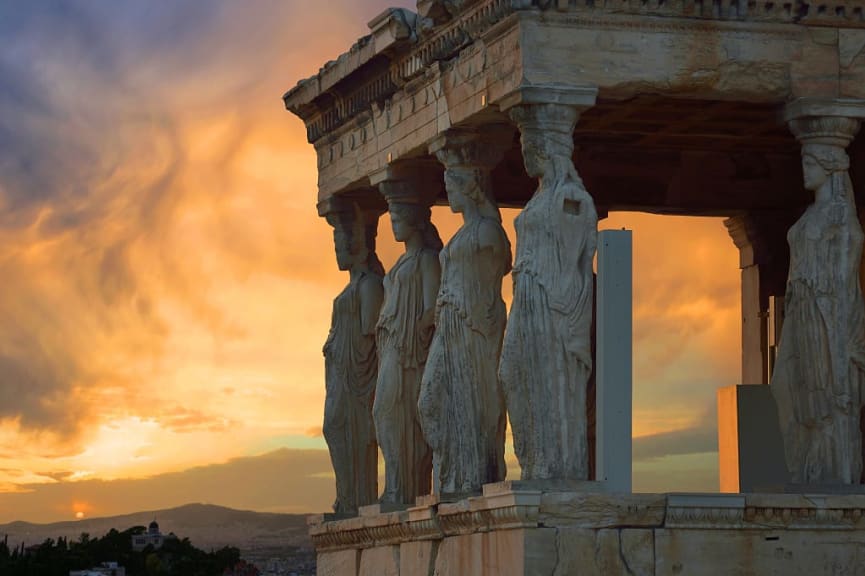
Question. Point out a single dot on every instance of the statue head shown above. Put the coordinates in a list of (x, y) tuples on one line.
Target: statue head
[(546, 134), (354, 233), (409, 199), (820, 162), (469, 159), (470, 186), (408, 218)]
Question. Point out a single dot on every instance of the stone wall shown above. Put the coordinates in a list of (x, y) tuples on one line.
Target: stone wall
[(514, 530)]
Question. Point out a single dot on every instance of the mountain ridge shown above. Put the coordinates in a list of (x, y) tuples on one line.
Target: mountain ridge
[(208, 526)]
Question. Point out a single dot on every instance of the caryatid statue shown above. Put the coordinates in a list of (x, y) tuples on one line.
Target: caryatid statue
[(461, 405), (350, 359), (404, 332), (820, 370), (547, 359)]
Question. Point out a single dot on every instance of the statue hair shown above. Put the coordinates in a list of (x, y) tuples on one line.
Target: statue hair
[(478, 189), (375, 265), (361, 227), (419, 217), (835, 161), (830, 158)]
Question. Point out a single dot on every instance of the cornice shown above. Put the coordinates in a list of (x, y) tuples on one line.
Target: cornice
[(403, 45)]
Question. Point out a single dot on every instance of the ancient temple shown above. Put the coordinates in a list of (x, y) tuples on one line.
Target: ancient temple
[(570, 109)]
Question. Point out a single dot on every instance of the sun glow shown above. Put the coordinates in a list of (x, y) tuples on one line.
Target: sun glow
[(80, 509)]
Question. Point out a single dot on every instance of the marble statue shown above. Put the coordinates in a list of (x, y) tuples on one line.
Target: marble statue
[(547, 359), (351, 362), (461, 403), (820, 371), (404, 332)]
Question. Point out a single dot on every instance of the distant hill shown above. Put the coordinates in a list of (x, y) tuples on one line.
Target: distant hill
[(206, 526)]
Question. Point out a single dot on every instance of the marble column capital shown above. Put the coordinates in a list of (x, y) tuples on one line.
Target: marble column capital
[(577, 97), (409, 183), (830, 122), (481, 148), (341, 210), (743, 231)]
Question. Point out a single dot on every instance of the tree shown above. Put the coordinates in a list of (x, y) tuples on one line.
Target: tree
[(153, 565)]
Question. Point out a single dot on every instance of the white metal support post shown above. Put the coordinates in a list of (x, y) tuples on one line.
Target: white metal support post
[(614, 372)]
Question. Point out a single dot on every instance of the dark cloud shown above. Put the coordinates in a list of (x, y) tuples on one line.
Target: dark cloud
[(700, 438), (697, 440)]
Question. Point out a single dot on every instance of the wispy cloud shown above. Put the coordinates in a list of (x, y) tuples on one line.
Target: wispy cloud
[(156, 216)]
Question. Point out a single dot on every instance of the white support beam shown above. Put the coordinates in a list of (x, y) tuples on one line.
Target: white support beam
[(614, 369)]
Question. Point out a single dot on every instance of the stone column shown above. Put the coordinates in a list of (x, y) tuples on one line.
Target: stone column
[(405, 330), (350, 359), (547, 357), (763, 260), (755, 313), (820, 370), (461, 405)]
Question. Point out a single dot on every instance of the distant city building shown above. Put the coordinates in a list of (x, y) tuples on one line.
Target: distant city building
[(104, 569), (153, 537)]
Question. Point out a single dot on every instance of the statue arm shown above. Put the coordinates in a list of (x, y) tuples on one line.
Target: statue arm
[(574, 229), (371, 297), (495, 261), (430, 270), (492, 237)]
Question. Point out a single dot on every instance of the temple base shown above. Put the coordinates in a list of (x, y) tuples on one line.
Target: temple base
[(512, 531)]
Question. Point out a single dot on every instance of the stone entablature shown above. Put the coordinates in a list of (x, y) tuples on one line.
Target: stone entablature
[(396, 90), (410, 44)]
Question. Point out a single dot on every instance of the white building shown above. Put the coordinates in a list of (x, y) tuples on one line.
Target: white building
[(153, 537)]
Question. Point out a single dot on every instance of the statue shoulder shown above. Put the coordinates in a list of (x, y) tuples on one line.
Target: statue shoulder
[(428, 259), (370, 285), (491, 234)]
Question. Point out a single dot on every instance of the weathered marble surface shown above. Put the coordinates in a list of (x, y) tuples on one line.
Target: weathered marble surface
[(461, 403), (339, 563), (547, 358), (351, 362), (530, 532), (820, 371), (404, 332), (361, 116), (380, 561)]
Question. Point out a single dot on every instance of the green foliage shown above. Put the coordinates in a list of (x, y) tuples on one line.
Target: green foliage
[(57, 558)]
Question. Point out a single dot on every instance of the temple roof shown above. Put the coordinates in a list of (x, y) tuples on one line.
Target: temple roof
[(402, 43)]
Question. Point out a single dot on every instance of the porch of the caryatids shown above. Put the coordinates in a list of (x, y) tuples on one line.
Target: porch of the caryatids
[(461, 405), (547, 356), (351, 362), (820, 371), (405, 330)]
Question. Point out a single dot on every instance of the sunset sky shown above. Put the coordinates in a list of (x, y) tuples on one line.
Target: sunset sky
[(166, 283)]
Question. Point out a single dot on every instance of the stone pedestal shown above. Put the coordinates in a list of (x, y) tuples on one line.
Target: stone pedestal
[(750, 448), (513, 530)]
